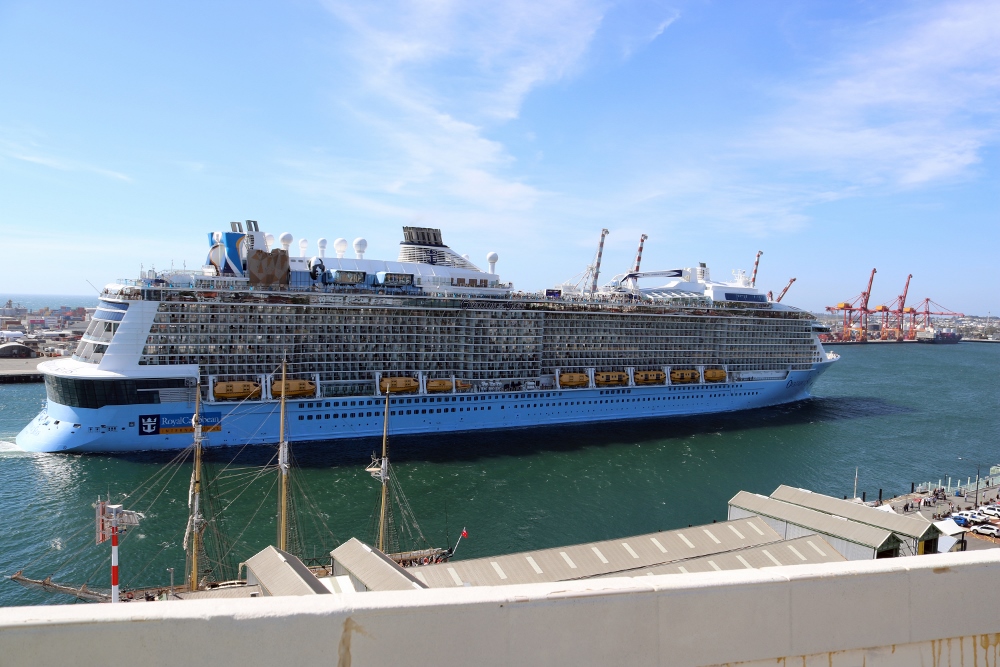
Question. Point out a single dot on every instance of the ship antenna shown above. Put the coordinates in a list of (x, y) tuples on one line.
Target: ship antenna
[(283, 467)]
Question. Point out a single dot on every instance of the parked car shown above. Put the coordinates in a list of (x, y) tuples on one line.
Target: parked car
[(961, 521), (974, 517), (988, 529), (991, 510)]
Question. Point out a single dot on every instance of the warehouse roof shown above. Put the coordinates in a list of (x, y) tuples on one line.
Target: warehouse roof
[(897, 523), (802, 550), (280, 573), (594, 559), (371, 567), (826, 524)]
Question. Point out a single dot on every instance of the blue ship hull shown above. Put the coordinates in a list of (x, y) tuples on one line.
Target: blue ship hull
[(129, 428)]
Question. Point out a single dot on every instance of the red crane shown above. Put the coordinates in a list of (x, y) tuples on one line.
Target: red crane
[(855, 314), (924, 315), (756, 261), (778, 300), (891, 315)]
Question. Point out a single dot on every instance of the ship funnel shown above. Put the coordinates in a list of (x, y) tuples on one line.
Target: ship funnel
[(286, 241), (493, 258), (303, 247), (360, 245), (321, 244), (340, 246)]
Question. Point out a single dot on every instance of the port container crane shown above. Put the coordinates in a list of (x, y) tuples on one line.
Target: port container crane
[(923, 312), (891, 316), (855, 314)]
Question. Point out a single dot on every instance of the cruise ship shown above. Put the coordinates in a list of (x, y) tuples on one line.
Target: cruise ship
[(453, 346)]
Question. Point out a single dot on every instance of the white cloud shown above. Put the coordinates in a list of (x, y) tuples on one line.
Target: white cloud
[(29, 151), (434, 78), (914, 101)]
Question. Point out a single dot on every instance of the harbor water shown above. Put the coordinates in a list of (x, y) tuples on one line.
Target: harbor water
[(899, 413)]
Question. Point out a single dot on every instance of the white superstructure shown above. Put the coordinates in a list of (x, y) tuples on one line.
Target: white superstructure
[(456, 339)]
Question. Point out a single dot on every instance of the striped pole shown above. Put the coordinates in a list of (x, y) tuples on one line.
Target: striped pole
[(114, 557)]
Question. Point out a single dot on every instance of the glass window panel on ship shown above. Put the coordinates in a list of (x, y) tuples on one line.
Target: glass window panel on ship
[(345, 347)]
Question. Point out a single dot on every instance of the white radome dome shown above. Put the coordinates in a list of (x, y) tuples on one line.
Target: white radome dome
[(492, 258), (321, 244), (303, 247), (360, 245), (340, 246), (286, 240)]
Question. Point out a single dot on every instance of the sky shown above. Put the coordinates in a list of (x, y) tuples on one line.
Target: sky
[(836, 137)]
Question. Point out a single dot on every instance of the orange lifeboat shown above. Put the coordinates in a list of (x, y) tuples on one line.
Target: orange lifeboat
[(715, 375), (439, 385), (230, 391), (295, 388), (649, 377), (571, 380), (396, 385), (686, 376), (611, 378)]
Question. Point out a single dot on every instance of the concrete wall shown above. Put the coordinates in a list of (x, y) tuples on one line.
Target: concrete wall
[(894, 612)]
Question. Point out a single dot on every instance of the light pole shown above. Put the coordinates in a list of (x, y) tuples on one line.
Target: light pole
[(978, 466), (171, 571)]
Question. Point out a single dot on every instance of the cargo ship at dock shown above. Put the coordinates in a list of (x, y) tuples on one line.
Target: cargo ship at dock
[(456, 348)]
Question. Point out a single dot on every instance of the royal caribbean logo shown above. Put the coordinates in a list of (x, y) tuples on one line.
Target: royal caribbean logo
[(172, 424), (795, 383)]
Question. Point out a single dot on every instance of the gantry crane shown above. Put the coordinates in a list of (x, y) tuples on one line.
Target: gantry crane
[(891, 316), (855, 314), (923, 312)]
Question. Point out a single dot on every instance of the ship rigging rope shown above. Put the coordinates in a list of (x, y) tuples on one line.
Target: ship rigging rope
[(162, 471), (53, 547), (306, 494), (245, 444), (165, 546), (250, 523), (262, 470)]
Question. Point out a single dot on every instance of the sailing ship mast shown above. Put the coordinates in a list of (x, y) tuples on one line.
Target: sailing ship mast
[(283, 468), (388, 543), (384, 475), (195, 518)]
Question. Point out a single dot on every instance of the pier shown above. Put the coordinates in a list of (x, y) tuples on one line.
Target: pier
[(14, 371)]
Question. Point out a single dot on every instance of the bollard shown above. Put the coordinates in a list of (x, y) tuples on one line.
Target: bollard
[(913, 487), (880, 495), (862, 496)]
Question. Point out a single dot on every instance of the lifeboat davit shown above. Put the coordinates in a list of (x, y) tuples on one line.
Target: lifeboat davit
[(439, 385), (611, 378), (295, 388), (649, 377), (571, 380), (715, 375), (395, 385), (684, 376), (229, 391)]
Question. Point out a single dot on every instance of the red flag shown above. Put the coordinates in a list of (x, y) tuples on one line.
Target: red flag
[(465, 533)]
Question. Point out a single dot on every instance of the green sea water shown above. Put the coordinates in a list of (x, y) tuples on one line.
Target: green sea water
[(898, 413)]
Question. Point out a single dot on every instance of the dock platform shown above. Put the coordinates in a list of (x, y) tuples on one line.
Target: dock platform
[(14, 371)]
